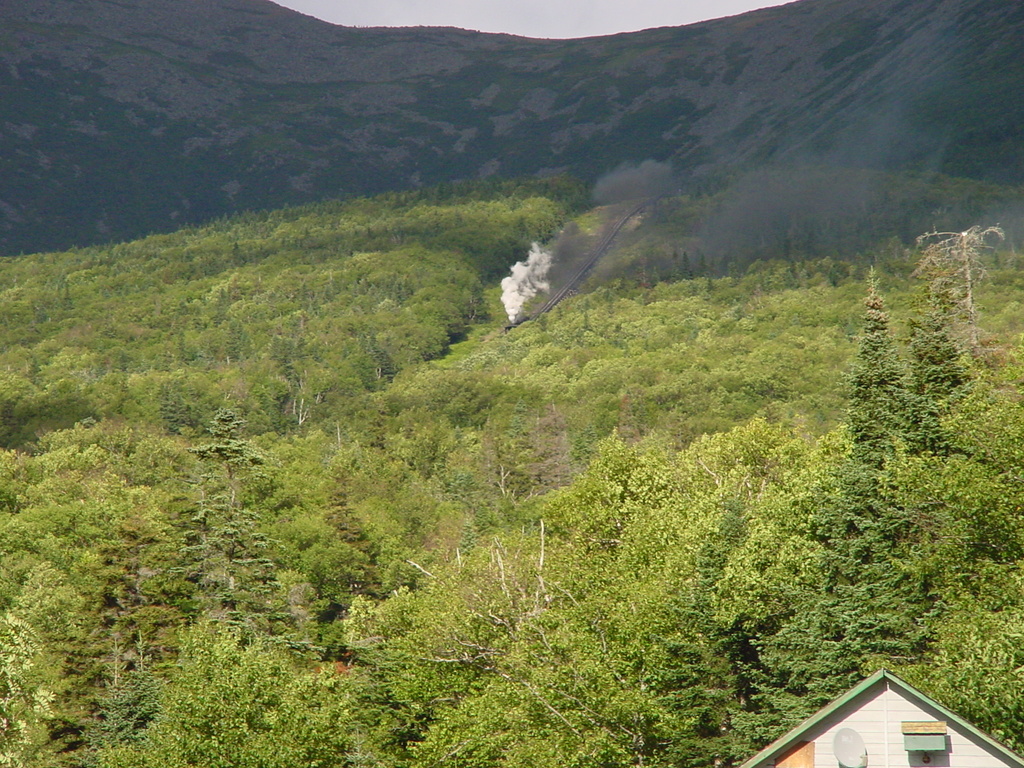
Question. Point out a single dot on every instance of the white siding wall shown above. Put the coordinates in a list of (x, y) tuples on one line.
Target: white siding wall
[(877, 715)]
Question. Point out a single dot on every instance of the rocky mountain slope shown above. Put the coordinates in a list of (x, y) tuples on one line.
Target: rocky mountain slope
[(120, 117)]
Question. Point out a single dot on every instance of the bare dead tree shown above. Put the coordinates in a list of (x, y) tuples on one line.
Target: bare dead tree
[(951, 263)]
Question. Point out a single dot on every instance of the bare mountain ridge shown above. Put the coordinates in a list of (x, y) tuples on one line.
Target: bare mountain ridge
[(126, 116)]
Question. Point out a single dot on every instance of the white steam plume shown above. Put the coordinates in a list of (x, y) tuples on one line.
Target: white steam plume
[(527, 279)]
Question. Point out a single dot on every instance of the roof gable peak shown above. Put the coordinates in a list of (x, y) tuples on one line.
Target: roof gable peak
[(883, 677)]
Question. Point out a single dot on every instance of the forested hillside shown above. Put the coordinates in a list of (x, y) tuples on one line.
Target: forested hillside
[(280, 491)]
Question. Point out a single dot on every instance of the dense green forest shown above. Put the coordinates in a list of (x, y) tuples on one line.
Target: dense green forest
[(279, 491)]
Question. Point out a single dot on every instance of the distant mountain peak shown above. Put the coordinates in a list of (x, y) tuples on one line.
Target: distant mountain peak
[(127, 116)]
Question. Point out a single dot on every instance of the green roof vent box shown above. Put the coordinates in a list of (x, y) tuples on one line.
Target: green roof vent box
[(928, 736)]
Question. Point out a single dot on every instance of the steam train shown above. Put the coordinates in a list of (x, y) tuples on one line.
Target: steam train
[(571, 288)]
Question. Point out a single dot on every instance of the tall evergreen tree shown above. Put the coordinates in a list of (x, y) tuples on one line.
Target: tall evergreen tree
[(938, 376), (866, 607), (129, 706), (878, 410), (226, 555), (938, 340), (856, 524)]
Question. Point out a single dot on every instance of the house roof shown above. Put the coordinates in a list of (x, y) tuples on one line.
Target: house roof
[(883, 675)]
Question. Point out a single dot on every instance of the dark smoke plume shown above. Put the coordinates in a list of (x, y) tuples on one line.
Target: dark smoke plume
[(631, 182)]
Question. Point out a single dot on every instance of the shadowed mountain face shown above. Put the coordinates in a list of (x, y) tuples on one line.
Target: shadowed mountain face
[(121, 117)]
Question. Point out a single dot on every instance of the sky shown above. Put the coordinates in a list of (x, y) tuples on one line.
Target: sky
[(532, 18)]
